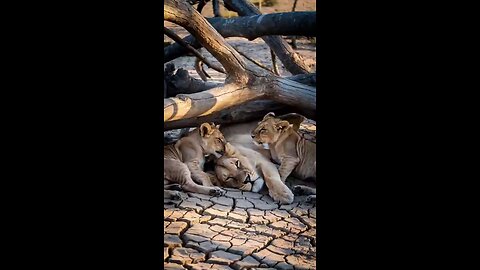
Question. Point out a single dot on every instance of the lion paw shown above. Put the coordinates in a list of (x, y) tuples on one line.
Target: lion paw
[(282, 195), (216, 191)]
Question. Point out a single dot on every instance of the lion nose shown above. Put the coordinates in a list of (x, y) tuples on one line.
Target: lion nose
[(247, 179)]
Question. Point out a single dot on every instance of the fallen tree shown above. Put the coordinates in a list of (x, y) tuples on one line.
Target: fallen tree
[(180, 82), (242, 86), (290, 59), (252, 27)]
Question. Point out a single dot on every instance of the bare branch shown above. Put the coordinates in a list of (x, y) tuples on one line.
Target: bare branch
[(290, 59), (274, 63), (253, 60), (181, 13), (178, 39), (216, 8)]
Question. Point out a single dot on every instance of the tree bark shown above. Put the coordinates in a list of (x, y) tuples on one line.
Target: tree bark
[(249, 111), (294, 38), (290, 59), (184, 14), (237, 114), (216, 8), (180, 82), (187, 46), (275, 88), (252, 27)]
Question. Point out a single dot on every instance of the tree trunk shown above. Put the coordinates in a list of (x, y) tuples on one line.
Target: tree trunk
[(275, 88), (242, 113), (252, 27), (180, 82)]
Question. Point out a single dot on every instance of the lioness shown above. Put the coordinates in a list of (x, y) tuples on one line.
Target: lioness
[(247, 166), (234, 170), (184, 160), (295, 155)]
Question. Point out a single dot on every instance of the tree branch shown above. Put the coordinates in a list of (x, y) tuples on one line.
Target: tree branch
[(252, 27), (181, 13), (290, 59), (253, 60), (178, 39)]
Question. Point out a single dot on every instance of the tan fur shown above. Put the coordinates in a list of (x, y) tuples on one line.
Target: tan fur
[(242, 158), (295, 155), (184, 160)]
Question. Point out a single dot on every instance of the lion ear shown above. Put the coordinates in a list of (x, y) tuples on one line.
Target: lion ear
[(293, 118), (269, 115), (217, 126), (282, 125), (205, 129)]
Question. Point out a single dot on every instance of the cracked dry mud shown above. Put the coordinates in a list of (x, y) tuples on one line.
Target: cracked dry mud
[(240, 230)]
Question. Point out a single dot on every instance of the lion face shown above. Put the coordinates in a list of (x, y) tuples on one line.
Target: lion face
[(231, 173), (213, 141), (269, 129)]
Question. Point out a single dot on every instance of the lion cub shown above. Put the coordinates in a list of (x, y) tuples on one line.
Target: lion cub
[(184, 160), (295, 155)]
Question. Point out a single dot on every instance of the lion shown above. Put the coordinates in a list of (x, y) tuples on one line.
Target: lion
[(247, 166), (295, 155), (184, 160)]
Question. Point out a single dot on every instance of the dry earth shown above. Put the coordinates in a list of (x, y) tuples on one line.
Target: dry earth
[(241, 230)]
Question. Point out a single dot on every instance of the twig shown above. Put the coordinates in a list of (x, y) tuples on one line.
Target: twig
[(216, 8), (199, 68), (252, 60), (180, 41), (201, 4), (294, 38), (274, 63)]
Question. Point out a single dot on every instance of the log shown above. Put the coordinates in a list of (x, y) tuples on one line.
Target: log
[(180, 82), (252, 27), (249, 111), (216, 8), (275, 88), (237, 114), (290, 59)]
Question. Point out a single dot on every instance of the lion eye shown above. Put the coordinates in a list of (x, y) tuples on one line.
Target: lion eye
[(237, 163), (262, 131)]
